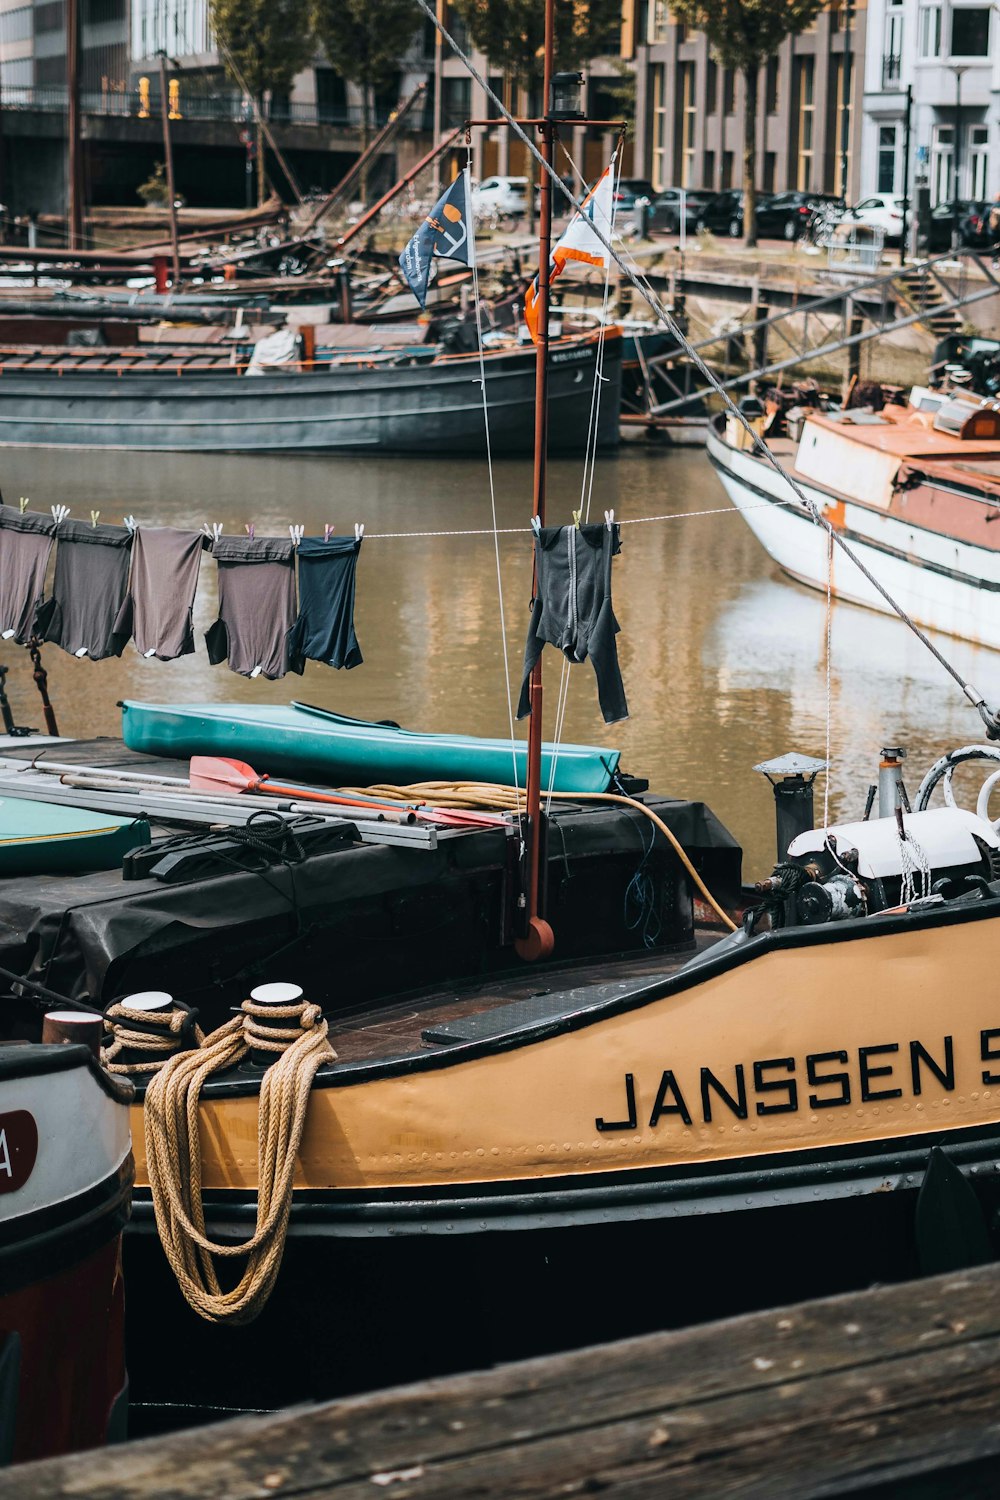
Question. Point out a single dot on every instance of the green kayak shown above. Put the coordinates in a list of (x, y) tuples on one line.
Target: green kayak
[(303, 741), (45, 838)]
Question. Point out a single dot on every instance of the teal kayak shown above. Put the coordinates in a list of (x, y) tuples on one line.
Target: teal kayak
[(46, 838), (299, 740)]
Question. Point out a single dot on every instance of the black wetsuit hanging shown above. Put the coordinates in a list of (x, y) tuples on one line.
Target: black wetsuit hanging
[(25, 544), (88, 590), (256, 605), (572, 609), (324, 630)]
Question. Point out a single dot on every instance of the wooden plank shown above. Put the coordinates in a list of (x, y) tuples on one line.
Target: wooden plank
[(853, 1395)]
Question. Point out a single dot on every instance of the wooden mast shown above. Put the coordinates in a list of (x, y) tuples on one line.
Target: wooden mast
[(538, 940), (75, 207)]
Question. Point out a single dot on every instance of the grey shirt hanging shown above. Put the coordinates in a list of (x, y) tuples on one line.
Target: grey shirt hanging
[(157, 612), (87, 593), (572, 609), (256, 606), (25, 545)]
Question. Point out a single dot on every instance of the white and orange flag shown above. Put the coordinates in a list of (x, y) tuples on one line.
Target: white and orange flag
[(579, 242)]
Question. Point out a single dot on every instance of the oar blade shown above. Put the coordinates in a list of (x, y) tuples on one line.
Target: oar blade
[(213, 773)]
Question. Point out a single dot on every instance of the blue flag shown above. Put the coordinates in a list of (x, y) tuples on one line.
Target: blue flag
[(447, 231)]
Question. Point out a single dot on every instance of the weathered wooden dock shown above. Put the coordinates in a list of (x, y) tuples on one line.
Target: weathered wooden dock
[(891, 1392)]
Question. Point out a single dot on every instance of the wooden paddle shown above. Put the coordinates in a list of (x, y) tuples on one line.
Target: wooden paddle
[(211, 773)]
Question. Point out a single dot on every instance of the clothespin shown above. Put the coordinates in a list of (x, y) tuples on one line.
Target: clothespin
[(326, 533), (609, 519), (296, 533), (536, 525), (131, 523), (249, 528), (576, 518), (59, 513), (95, 516), (23, 504), (214, 531), (359, 530)]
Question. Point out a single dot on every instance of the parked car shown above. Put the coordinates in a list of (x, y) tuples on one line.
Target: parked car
[(723, 214), (633, 192), (665, 210), (503, 196), (881, 211), (787, 216), (973, 225)]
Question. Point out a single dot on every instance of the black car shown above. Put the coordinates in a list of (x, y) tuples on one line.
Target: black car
[(974, 231), (786, 216), (723, 214), (665, 210)]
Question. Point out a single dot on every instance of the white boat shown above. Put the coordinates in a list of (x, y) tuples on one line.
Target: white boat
[(914, 489)]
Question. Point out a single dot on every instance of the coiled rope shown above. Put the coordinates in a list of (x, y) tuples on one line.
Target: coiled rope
[(173, 1152), (462, 795), (161, 1034)]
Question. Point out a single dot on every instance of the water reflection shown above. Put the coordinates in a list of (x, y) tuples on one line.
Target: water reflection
[(724, 661)]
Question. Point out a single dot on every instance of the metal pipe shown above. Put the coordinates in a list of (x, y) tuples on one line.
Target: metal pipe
[(537, 939), (907, 123), (75, 207)]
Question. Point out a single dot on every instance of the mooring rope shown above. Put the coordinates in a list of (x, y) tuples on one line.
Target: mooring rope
[(174, 1161), (495, 798), (160, 1034)]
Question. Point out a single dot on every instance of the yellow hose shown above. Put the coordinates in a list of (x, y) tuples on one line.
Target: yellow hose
[(459, 795)]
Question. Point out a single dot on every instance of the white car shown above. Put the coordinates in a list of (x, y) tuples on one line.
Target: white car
[(880, 211), (501, 196)]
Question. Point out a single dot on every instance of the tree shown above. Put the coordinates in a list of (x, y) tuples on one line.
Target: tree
[(743, 34), (364, 41), (264, 43), (512, 33)]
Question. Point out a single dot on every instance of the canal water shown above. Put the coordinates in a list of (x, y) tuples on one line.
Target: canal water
[(724, 659)]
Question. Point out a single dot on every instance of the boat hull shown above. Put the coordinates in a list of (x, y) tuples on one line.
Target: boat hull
[(944, 583), (65, 1179), (433, 408)]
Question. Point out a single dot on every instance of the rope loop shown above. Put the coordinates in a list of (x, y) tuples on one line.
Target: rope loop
[(154, 1035), (174, 1161)]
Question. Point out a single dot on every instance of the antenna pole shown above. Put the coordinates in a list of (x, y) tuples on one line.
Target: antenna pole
[(538, 940), (169, 155)]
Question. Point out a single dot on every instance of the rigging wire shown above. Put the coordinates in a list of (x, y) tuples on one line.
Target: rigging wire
[(989, 717), (489, 468)]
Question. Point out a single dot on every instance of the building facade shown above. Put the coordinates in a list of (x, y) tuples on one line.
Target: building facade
[(948, 53), (689, 110)]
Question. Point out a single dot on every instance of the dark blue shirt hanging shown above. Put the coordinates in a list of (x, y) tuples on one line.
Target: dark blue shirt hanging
[(324, 629)]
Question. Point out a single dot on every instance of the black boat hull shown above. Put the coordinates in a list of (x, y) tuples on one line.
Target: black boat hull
[(429, 407)]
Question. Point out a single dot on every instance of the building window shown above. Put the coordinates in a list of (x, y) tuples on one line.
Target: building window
[(930, 31), (729, 91), (688, 120), (942, 149), (805, 121), (970, 31), (708, 170), (727, 170), (15, 25), (893, 49), (886, 182), (979, 140), (771, 86), (711, 87), (770, 170), (659, 21), (659, 126)]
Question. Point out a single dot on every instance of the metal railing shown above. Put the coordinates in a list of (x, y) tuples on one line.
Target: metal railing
[(128, 103), (890, 70)]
